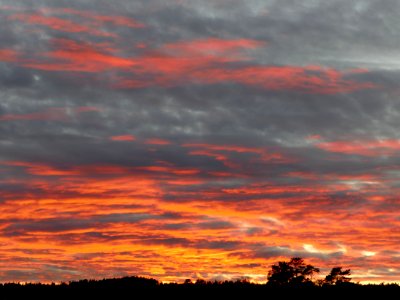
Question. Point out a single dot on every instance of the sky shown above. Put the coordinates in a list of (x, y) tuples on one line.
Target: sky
[(198, 139)]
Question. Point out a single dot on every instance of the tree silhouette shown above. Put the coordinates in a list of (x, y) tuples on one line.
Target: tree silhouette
[(337, 276), (295, 272)]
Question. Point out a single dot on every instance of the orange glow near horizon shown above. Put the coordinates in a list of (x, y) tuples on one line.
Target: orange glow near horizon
[(136, 220)]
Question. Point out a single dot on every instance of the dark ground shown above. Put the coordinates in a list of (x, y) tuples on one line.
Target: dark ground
[(129, 288)]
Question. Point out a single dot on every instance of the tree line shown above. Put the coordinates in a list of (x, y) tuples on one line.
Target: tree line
[(292, 273), (296, 272)]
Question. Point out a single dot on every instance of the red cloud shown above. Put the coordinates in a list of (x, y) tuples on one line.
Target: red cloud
[(118, 21), (41, 169), (87, 22), (156, 141), (231, 148), (51, 114), (206, 61), (58, 24), (123, 138), (168, 170), (88, 15), (364, 148), (74, 57), (227, 49), (223, 152), (8, 55), (309, 79)]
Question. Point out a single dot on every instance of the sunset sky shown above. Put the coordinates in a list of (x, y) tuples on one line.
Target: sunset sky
[(181, 139)]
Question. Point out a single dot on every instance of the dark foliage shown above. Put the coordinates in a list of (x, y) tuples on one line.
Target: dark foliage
[(337, 276), (292, 273), (142, 288)]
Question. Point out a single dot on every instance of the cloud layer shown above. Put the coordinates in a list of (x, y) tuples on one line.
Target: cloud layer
[(183, 139)]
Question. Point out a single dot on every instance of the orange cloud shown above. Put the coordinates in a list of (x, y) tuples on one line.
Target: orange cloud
[(167, 222), (169, 170)]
